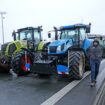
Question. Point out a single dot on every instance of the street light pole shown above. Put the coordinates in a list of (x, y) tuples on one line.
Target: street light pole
[(2, 25)]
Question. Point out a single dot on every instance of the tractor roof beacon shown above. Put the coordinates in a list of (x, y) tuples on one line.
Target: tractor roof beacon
[(67, 54)]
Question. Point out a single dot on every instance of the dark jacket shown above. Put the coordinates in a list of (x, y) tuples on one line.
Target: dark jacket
[(95, 52)]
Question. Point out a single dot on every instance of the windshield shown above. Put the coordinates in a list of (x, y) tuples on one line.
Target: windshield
[(26, 34), (37, 36), (68, 34)]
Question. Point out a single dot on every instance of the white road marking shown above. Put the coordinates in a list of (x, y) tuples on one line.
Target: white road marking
[(60, 94), (103, 61)]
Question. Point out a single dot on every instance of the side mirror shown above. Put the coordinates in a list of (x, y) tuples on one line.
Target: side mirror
[(88, 28), (49, 35), (14, 35)]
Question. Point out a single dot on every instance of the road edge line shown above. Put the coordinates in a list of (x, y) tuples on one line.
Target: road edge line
[(61, 93)]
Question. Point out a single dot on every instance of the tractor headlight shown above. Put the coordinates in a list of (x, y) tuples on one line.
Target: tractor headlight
[(58, 48)]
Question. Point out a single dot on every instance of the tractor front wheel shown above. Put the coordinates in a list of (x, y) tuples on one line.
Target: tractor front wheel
[(21, 63), (77, 64)]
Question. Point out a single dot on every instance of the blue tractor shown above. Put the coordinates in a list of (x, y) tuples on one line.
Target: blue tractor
[(67, 54)]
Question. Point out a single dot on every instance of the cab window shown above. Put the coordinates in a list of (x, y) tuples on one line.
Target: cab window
[(82, 33), (37, 37)]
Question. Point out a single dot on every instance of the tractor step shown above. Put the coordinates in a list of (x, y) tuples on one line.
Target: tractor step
[(43, 67)]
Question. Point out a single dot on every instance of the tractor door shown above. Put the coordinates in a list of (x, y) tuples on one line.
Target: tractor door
[(82, 36), (37, 37)]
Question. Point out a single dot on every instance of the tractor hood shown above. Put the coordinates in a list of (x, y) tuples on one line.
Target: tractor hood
[(59, 46)]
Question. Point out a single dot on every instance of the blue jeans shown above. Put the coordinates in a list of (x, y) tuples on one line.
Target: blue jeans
[(94, 64)]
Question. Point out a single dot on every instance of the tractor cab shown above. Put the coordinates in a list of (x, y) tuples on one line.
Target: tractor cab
[(72, 36), (75, 32), (29, 37)]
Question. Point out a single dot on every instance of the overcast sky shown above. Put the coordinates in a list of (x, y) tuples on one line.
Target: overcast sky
[(49, 13)]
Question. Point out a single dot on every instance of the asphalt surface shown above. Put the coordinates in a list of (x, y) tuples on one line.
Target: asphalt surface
[(30, 90), (83, 94)]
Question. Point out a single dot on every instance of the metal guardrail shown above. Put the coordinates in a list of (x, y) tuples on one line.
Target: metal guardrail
[(100, 97)]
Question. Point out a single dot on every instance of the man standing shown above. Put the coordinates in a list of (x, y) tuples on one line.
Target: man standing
[(95, 57)]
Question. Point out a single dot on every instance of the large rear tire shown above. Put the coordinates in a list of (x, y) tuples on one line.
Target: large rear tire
[(77, 64), (19, 63)]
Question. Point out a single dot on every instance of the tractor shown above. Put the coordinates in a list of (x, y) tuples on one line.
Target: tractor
[(67, 54), (18, 53)]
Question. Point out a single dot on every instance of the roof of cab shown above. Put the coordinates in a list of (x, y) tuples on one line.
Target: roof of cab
[(73, 26)]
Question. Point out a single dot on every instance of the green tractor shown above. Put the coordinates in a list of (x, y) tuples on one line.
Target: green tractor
[(18, 54)]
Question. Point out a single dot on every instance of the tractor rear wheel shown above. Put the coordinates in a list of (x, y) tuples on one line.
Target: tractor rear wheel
[(77, 64), (19, 63)]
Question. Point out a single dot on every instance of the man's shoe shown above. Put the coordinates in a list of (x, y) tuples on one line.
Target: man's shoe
[(95, 81), (92, 84)]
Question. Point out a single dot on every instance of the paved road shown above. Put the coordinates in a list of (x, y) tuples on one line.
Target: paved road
[(29, 90), (32, 90), (83, 94)]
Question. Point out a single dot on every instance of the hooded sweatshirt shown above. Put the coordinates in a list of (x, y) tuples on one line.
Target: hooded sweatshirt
[(95, 52)]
